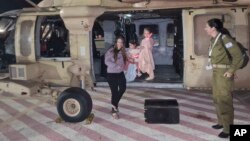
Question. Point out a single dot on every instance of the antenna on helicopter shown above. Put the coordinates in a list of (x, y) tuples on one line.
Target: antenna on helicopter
[(33, 4)]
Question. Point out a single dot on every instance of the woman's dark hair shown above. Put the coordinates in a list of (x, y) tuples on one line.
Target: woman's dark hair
[(116, 51), (218, 25)]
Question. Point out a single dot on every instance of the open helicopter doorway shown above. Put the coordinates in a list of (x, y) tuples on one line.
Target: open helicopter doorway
[(166, 26)]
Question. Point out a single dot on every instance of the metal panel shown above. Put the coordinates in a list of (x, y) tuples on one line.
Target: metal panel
[(196, 43), (24, 39), (25, 44)]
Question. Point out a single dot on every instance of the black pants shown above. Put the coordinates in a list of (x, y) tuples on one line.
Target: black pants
[(117, 84)]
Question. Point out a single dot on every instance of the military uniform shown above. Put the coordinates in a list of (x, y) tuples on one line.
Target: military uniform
[(222, 86)]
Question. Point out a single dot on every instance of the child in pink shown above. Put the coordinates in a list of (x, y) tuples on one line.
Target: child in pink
[(132, 62), (146, 61)]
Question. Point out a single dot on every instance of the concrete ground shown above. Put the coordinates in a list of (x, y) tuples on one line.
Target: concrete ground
[(243, 96), (33, 118)]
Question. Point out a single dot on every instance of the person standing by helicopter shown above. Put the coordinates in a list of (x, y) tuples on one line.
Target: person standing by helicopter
[(115, 59), (223, 73)]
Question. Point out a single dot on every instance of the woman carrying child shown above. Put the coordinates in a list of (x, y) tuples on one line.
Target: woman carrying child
[(132, 68)]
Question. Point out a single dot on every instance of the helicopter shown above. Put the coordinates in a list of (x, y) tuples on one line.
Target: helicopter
[(61, 43)]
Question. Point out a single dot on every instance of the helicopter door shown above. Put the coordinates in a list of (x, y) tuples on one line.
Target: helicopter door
[(196, 43), (24, 39)]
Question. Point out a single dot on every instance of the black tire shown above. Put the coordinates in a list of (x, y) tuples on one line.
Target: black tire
[(74, 105)]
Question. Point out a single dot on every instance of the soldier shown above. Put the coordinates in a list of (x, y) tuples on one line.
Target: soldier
[(223, 67)]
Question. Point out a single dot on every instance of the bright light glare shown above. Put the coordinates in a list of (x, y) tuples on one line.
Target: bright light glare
[(2, 30)]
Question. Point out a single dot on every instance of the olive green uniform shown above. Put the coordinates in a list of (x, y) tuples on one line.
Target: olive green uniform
[(222, 86)]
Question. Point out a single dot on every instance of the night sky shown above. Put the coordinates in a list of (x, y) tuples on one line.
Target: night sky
[(6, 5)]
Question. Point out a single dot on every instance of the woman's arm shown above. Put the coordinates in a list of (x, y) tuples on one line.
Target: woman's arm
[(109, 59)]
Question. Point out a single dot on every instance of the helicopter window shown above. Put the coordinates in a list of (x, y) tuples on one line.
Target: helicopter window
[(25, 43), (54, 39), (7, 50), (201, 39), (6, 24)]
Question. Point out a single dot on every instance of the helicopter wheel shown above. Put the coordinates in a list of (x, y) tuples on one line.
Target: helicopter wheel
[(74, 105)]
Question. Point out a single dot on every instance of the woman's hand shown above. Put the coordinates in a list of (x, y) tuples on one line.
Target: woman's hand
[(228, 74)]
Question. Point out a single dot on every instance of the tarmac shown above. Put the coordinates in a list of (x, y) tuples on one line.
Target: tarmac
[(243, 97), (34, 118)]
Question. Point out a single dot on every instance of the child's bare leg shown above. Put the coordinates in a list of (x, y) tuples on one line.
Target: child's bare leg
[(151, 75), (138, 71)]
